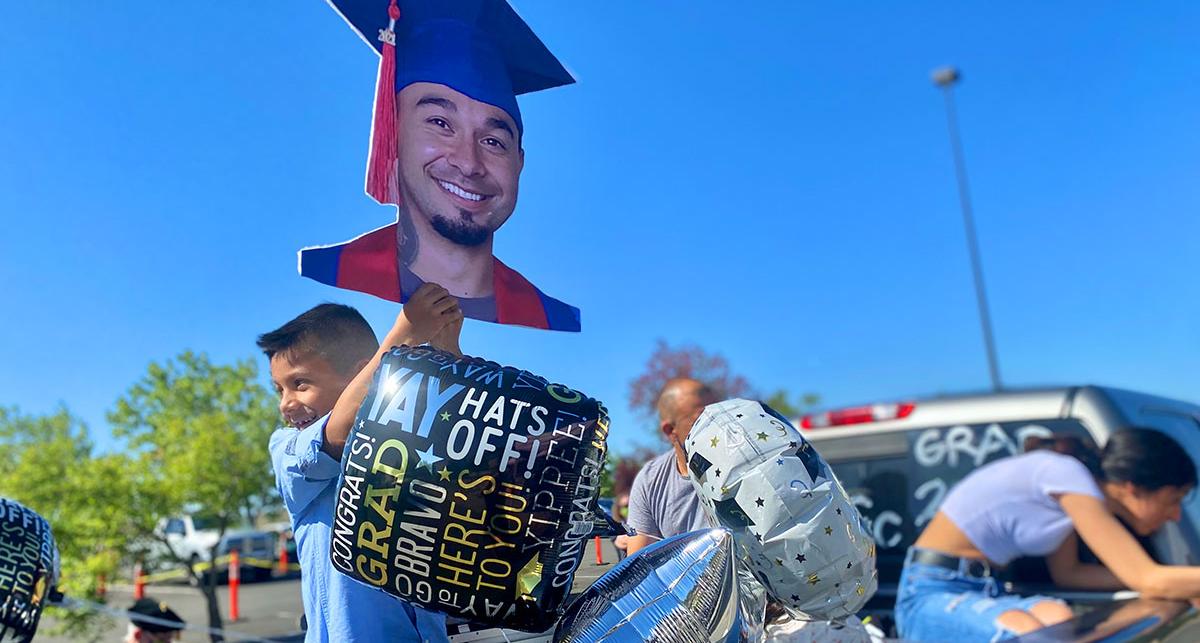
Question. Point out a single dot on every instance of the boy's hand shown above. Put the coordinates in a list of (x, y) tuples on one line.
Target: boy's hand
[(429, 309), (447, 338)]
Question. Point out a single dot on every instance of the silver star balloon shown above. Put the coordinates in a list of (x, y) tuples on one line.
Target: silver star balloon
[(793, 630), (683, 589), (797, 531)]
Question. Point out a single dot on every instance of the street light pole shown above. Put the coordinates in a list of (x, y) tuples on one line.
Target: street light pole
[(946, 78)]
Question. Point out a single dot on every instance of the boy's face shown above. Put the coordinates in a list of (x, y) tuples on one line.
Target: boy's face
[(308, 386)]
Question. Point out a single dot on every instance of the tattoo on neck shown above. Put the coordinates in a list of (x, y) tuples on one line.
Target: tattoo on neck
[(406, 239)]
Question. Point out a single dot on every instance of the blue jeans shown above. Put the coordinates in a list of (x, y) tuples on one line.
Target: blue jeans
[(939, 604)]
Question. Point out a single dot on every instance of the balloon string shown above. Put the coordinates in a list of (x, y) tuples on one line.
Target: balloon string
[(69, 602)]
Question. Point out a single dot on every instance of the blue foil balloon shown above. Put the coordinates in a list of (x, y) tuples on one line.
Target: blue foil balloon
[(684, 589)]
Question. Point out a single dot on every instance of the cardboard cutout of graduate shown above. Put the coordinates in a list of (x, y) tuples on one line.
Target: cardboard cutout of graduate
[(446, 149), (470, 488)]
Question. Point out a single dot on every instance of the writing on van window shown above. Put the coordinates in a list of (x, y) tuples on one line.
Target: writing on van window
[(899, 495), (973, 446), (885, 526), (945, 455), (930, 493)]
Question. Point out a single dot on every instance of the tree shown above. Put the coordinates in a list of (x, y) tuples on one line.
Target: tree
[(198, 434), (626, 468), (48, 464), (781, 401), (616, 478), (667, 363)]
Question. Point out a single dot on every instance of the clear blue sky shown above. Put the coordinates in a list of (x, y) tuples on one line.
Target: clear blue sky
[(770, 180)]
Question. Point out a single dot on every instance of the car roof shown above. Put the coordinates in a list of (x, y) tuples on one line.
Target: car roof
[(1014, 405), (965, 408)]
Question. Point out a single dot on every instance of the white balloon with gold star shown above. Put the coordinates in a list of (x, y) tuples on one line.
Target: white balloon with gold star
[(796, 529)]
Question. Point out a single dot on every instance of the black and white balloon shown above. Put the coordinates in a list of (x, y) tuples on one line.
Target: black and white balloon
[(470, 488)]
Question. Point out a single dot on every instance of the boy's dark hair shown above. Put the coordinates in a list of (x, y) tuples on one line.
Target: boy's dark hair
[(336, 333)]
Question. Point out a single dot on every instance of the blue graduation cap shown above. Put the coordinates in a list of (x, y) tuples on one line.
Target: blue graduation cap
[(480, 48)]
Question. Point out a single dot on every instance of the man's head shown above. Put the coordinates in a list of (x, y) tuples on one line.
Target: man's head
[(314, 357), (460, 162), (153, 622), (679, 405)]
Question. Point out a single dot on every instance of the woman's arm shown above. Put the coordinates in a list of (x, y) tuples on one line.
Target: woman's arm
[(1117, 549), (1067, 571)]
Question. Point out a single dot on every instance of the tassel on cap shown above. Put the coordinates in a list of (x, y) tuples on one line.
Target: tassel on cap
[(381, 163)]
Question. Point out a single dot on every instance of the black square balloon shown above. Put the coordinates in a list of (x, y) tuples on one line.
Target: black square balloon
[(470, 488)]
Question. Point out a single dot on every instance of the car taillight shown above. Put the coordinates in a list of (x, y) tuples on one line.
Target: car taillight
[(857, 415)]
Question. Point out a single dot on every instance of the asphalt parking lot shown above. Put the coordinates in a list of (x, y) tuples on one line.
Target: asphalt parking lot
[(268, 610)]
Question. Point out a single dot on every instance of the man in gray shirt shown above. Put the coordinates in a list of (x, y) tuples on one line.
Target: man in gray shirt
[(662, 502)]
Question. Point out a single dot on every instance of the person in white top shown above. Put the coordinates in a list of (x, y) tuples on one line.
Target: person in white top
[(1040, 504)]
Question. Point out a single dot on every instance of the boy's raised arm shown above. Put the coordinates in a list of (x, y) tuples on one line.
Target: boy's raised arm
[(429, 310), (447, 338)]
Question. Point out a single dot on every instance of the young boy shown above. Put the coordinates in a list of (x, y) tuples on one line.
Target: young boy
[(321, 365)]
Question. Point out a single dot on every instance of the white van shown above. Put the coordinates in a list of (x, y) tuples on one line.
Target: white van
[(898, 460)]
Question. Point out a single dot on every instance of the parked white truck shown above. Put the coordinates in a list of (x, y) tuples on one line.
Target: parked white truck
[(899, 459), (192, 538)]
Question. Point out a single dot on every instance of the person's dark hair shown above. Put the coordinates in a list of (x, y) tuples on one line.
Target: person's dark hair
[(1072, 445), (334, 332), (1147, 458)]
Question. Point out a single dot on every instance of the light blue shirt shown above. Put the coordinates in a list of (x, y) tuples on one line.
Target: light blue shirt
[(1010, 508), (338, 607)]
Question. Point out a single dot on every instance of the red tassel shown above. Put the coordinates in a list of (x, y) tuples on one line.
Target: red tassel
[(381, 162)]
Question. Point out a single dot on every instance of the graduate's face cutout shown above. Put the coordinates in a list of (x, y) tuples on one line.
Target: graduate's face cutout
[(460, 161)]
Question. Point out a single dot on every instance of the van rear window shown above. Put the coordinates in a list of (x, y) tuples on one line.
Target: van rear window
[(898, 480)]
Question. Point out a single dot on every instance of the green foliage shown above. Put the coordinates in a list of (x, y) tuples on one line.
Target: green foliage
[(47, 463), (781, 401), (606, 478), (197, 437), (616, 479), (199, 432)]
